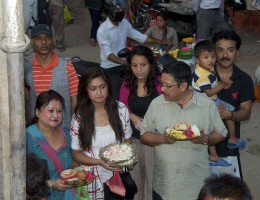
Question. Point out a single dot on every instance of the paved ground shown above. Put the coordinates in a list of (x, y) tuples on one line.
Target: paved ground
[(249, 59)]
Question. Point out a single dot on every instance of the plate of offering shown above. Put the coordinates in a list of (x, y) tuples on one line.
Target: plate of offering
[(182, 131), (77, 176), (119, 155)]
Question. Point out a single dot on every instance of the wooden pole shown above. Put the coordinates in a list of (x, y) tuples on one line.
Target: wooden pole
[(13, 42)]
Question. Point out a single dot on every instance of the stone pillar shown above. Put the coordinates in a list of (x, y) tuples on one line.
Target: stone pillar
[(13, 42)]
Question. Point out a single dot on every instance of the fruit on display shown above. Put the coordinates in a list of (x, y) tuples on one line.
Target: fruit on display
[(174, 53), (187, 40), (185, 53), (77, 176), (182, 126), (183, 131)]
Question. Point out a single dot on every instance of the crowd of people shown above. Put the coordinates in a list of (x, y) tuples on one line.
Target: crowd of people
[(130, 100)]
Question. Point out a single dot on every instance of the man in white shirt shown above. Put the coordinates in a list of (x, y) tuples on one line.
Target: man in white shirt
[(112, 37), (209, 18)]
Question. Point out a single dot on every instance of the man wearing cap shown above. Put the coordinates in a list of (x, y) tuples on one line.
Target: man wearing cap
[(48, 71)]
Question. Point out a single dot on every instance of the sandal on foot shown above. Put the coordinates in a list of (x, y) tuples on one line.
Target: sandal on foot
[(220, 162), (241, 144)]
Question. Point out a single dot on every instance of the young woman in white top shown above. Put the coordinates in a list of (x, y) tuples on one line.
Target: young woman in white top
[(99, 120)]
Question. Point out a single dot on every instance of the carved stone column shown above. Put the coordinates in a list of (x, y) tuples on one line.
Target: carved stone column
[(13, 42)]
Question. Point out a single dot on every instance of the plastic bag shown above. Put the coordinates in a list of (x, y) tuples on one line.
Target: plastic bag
[(81, 193), (116, 185), (120, 186), (67, 16)]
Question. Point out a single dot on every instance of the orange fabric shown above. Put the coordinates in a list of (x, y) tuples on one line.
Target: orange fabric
[(73, 79), (42, 75), (257, 92)]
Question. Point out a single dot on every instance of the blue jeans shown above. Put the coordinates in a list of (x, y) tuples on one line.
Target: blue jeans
[(228, 106), (94, 14)]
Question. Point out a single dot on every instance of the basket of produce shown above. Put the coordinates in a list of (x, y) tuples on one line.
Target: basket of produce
[(77, 176), (183, 131)]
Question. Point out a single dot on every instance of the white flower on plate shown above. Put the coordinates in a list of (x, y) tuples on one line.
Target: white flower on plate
[(118, 152), (195, 130)]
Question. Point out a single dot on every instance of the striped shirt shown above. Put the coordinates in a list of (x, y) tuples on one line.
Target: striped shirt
[(203, 79), (42, 75)]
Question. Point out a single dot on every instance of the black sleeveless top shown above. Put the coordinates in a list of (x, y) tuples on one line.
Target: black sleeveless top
[(139, 106)]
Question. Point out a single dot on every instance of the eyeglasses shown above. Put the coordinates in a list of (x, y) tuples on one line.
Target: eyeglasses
[(167, 86)]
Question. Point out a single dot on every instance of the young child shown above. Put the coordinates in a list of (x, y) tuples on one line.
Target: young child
[(204, 80), (36, 177)]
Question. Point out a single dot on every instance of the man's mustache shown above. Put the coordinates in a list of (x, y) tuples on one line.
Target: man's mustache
[(44, 47), (223, 59)]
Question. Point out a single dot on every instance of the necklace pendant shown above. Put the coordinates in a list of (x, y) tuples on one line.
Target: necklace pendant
[(181, 106)]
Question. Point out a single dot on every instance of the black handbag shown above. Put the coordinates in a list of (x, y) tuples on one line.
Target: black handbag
[(129, 184)]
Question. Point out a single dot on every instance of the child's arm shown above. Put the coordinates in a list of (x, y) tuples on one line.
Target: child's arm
[(213, 91), (226, 81), (223, 84)]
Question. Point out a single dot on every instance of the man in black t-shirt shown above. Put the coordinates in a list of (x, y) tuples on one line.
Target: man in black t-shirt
[(240, 94)]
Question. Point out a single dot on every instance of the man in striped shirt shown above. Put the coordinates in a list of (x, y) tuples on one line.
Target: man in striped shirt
[(48, 71)]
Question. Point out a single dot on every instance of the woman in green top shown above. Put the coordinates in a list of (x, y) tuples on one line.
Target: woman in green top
[(94, 10)]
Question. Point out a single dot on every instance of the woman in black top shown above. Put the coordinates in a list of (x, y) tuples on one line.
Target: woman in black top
[(140, 87)]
